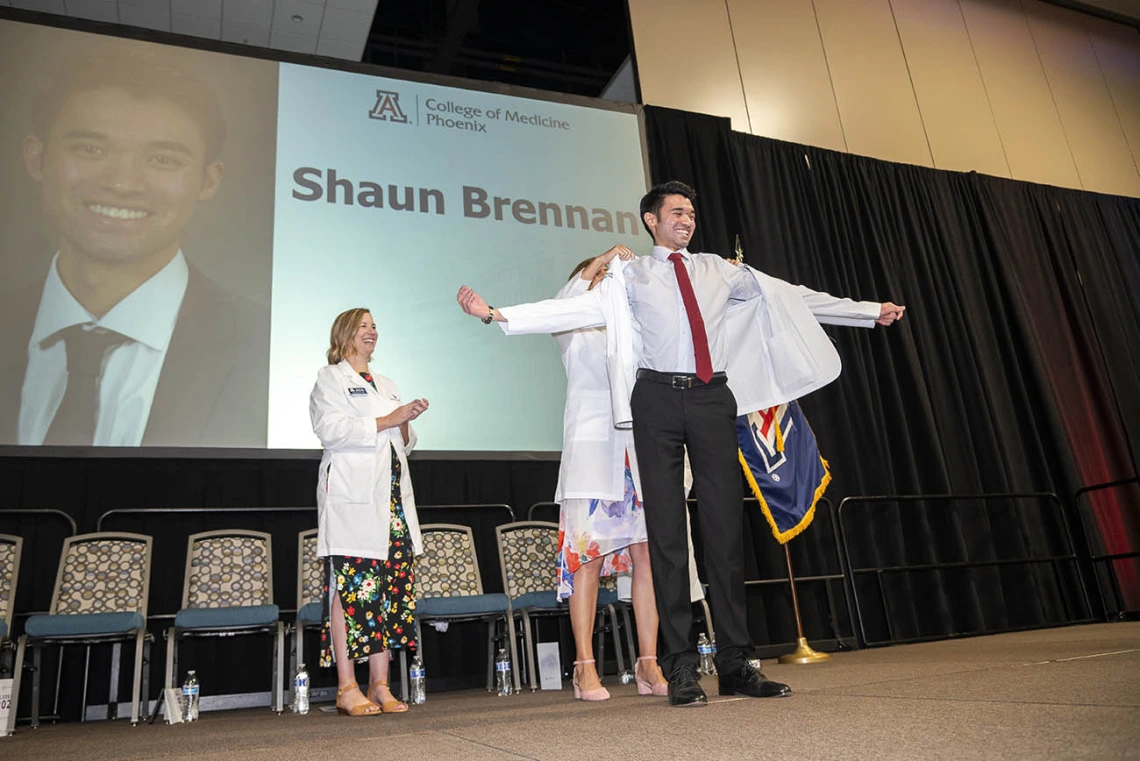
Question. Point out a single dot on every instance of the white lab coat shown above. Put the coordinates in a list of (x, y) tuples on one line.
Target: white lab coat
[(778, 351), (593, 449), (355, 483)]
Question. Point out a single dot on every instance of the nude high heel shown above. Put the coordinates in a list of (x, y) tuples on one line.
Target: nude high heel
[(601, 693), (644, 686)]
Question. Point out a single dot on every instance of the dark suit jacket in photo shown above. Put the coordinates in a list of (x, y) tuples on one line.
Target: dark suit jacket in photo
[(214, 385)]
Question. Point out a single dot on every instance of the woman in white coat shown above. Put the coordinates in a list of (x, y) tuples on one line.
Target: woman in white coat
[(367, 525), (601, 520)]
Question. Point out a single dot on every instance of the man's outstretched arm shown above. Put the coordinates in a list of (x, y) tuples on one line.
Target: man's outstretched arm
[(549, 316)]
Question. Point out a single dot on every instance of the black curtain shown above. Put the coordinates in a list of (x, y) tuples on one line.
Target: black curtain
[(1013, 371)]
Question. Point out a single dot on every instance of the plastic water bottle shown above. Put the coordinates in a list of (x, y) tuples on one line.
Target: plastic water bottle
[(301, 691), (190, 697), (416, 681), (705, 650), (504, 682)]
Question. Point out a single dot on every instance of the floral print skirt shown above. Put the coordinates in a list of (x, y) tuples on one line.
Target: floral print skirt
[(377, 596), (589, 529)]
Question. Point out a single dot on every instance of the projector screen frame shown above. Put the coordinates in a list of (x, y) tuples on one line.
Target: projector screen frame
[(13, 451)]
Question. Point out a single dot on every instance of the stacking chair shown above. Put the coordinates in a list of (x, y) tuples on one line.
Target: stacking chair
[(228, 590), (310, 587), (10, 549), (527, 550), (449, 588), (100, 596)]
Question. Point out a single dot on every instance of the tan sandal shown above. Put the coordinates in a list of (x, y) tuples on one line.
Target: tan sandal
[(387, 706), (367, 708)]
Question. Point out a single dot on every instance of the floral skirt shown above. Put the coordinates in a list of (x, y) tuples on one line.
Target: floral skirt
[(589, 529), (377, 596)]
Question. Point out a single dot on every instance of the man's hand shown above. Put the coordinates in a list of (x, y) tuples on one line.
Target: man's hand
[(889, 313), (472, 303)]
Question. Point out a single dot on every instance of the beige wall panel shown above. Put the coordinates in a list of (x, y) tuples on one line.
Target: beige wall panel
[(951, 96), (1117, 49), (876, 102), (685, 57), (786, 82), (1092, 127), (1019, 96)]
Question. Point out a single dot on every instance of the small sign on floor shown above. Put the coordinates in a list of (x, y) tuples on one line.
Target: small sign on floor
[(549, 666), (5, 703), (172, 705)]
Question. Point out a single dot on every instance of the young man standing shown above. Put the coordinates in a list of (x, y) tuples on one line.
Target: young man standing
[(678, 303)]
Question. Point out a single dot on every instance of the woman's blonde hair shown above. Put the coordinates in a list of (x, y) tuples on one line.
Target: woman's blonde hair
[(343, 331)]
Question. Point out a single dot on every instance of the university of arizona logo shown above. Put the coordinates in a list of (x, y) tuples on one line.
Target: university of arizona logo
[(762, 426), (387, 108)]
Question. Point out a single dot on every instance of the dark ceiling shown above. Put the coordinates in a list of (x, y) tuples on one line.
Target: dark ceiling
[(570, 46)]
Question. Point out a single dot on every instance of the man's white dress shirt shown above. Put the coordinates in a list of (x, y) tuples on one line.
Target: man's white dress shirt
[(659, 312)]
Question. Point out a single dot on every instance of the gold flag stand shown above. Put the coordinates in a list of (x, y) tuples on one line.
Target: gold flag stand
[(803, 652)]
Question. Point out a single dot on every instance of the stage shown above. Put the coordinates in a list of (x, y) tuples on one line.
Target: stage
[(1067, 693)]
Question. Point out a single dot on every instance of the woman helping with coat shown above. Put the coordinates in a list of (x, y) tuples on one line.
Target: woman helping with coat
[(601, 517), (368, 531)]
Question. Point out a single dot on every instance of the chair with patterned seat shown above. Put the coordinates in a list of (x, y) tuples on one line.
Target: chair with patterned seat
[(450, 588), (10, 550), (228, 590), (527, 552), (100, 596)]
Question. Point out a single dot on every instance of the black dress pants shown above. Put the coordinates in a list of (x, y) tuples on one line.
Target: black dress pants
[(665, 420)]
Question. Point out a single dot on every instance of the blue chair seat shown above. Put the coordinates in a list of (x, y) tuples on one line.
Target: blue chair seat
[(83, 624), (545, 600), (310, 613), (466, 605), (607, 596), (214, 618), (3, 628)]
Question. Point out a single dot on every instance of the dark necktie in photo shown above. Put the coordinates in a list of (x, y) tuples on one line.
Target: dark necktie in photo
[(74, 422)]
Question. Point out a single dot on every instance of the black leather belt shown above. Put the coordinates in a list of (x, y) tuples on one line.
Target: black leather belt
[(680, 380)]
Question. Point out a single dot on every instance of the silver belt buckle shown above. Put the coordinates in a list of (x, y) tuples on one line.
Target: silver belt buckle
[(682, 382)]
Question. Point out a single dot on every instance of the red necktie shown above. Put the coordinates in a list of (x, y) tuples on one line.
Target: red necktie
[(696, 323)]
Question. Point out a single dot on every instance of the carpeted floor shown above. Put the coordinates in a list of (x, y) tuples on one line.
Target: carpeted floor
[(1070, 693)]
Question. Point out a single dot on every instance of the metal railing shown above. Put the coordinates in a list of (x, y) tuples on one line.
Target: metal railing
[(534, 513), (879, 571), (46, 511), (1106, 558), (262, 510)]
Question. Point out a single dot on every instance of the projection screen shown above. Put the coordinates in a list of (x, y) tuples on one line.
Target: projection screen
[(181, 226)]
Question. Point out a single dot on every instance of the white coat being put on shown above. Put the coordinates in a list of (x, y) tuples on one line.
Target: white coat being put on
[(355, 483)]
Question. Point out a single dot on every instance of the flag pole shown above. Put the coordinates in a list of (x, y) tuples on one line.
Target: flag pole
[(803, 652)]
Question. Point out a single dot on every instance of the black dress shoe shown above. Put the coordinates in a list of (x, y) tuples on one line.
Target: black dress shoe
[(749, 681), (685, 688)]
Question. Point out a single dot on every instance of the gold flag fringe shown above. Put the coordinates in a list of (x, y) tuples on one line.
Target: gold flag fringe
[(783, 537)]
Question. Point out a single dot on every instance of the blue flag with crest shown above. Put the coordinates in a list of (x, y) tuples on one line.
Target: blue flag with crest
[(782, 464)]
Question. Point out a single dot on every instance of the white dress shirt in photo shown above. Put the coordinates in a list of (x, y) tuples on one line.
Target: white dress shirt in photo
[(130, 373)]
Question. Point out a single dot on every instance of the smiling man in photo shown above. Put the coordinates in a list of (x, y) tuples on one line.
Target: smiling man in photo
[(127, 343)]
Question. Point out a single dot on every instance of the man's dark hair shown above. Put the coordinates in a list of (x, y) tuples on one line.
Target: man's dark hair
[(652, 201), (143, 76)]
